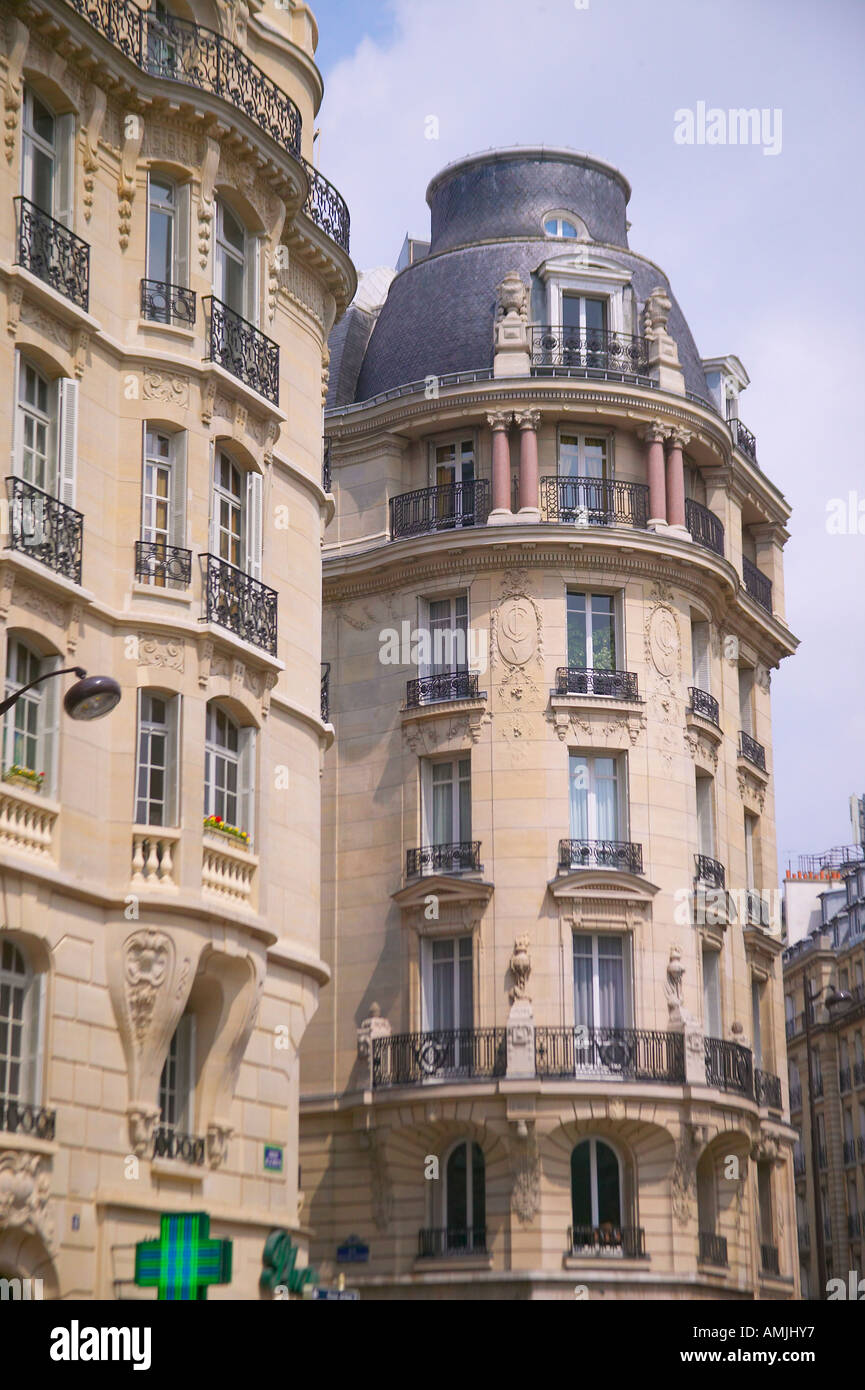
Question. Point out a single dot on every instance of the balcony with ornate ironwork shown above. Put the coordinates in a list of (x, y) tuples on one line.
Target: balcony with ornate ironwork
[(599, 354), (729, 1067), (444, 1054), (52, 253), (624, 1242), (17, 1117), (704, 526), (162, 302), (713, 1249), (769, 1259), (169, 1142), (594, 502), (325, 692), (163, 565), (767, 1089), (600, 854), (588, 680), (743, 438), (242, 349), (445, 685), (756, 584), (757, 910), (709, 871), (44, 528), (752, 751), (444, 508), (243, 605), (705, 705), (631, 1054), (327, 208), (462, 857)]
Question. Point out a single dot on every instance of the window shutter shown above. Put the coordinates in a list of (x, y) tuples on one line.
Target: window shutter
[(426, 799), (177, 525), (68, 442), (50, 731), (426, 983), (181, 237), (213, 544), (246, 782), (253, 524), (64, 185), (253, 278), (172, 761), (31, 1089), (16, 417)]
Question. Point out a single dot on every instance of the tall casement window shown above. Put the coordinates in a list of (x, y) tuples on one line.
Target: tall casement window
[(454, 462), (584, 473), (596, 1196), (447, 801), (167, 247), (447, 983), (596, 801), (700, 668), (30, 727), (602, 983), (585, 316), (45, 441), (447, 620), (235, 514), (705, 789), (746, 699), (21, 1010), (157, 783), (712, 993), (229, 769), (757, 988), (707, 1195), (47, 158), (163, 501), (592, 624), (235, 280), (465, 1198), (177, 1082)]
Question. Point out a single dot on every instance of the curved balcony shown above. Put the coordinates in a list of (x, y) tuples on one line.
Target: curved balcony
[(756, 584), (593, 353), (743, 438), (462, 857), (594, 502), (709, 871), (445, 685), (327, 208), (626, 1242), (51, 252), (600, 854), (751, 750), (444, 1054), (704, 526), (443, 508), (729, 1067), (242, 349), (587, 680), (632, 1054), (704, 704)]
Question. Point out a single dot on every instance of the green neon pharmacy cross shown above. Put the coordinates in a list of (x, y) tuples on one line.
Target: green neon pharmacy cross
[(184, 1261)]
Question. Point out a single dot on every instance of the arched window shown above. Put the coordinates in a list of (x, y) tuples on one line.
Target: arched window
[(596, 1197), (174, 1136), (20, 1033), (235, 514), (465, 1200), (229, 771), (47, 167), (166, 297), (30, 726), (557, 224)]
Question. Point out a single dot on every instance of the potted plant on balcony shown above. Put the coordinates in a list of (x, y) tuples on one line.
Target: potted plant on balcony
[(24, 777), (215, 825)]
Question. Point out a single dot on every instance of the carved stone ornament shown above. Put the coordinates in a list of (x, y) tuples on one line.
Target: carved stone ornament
[(664, 641), (148, 959), (171, 387), (381, 1186), (526, 1173), (512, 297), (25, 1190), (162, 652), (17, 39), (517, 630), (218, 1135), (673, 985), (657, 313), (683, 1181), (142, 1122), (521, 969)]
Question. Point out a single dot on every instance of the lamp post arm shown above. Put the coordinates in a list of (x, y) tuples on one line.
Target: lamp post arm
[(49, 675)]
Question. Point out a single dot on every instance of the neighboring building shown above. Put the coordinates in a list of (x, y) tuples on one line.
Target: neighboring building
[(171, 268), (830, 957), (556, 980)]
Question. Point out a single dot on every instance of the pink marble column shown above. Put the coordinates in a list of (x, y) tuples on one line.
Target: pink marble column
[(676, 479), (654, 440), (528, 421), (500, 423)]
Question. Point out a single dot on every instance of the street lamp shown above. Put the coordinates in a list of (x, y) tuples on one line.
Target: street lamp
[(89, 698), (833, 1000)]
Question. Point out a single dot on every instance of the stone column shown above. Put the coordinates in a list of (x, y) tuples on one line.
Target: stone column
[(653, 435), (676, 484), (528, 421), (499, 423)]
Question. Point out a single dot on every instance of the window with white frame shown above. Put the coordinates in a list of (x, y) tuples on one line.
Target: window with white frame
[(757, 1021), (177, 1082), (560, 225), (602, 981), (447, 983), (447, 801), (21, 1010), (163, 500), (30, 727), (465, 1199), (584, 318), (705, 791), (167, 239), (746, 699), (47, 169), (157, 782), (584, 456), (596, 1194), (453, 461), (235, 280), (585, 495), (700, 665), (235, 514), (45, 441), (447, 620), (592, 626), (597, 806), (229, 767), (712, 993)]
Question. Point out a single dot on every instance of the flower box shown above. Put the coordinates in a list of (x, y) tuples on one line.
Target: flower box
[(24, 777), (215, 825)]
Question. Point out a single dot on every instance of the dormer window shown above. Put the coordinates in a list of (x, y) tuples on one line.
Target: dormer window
[(559, 226), (566, 225)]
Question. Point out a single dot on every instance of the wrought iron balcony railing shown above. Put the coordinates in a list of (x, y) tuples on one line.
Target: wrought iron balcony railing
[(52, 253), (178, 50), (709, 871), (751, 750), (600, 854), (18, 1118), (704, 526), (442, 508), (449, 1054), (743, 438), (451, 1240), (769, 1259), (170, 1143), (757, 910), (463, 856), (160, 564), (240, 603), (767, 1089), (705, 704), (326, 478), (325, 692), (445, 685), (860, 1146), (242, 349), (713, 1249), (729, 1067), (588, 680), (756, 584), (594, 502), (628, 1242), (634, 1054), (591, 351), (162, 302), (327, 208), (46, 529)]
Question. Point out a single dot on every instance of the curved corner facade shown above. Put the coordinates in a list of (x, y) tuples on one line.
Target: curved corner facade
[(171, 267), (552, 1052)]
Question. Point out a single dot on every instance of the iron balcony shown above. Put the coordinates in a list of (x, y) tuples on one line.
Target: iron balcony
[(729, 1067), (600, 854), (628, 1242), (743, 438), (769, 1259), (756, 584), (464, 855), (445, 685), (588, 680), (704, 526), (242, 349), (713, 1249), (449, 1054), (243, 605), (451, 1240), (44, 528), (183, 1148), (443, 508), (592, 352), (767, 1089), (631, 1054), (50, 251), (704, 704), (162, 302), (709, 871), (16, 1117), (751, 750), (158, 563), (594, 502), (325, 692)]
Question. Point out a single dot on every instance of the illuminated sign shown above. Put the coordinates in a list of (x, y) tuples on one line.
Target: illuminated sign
[(184, 1260)]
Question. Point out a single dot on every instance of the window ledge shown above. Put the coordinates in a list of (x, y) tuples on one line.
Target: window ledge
[(603, 1261), (156, 591), (473, 707), (49, 578), (229, 846), (452, 1263), (597, 702), (757, 774), (50, 298), (234, 384), (227, 638), (27, 1143), (171, 1168), (174, 330), (704, 726)]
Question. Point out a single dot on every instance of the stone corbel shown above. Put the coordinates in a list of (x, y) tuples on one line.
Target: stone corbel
[(269, 683), (18, 37), (218, 1134), (7, 588), (91, 133), (274, 257), (80, 344), (14, 300), (141, 1119), (208, 400), (205, 659), (133, 135), (525, 1170), (238, 677), (240, 969), (25, 1195), (209, 166), (374, 1141)]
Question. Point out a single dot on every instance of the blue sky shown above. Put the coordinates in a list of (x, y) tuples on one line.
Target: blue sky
[(763, 251)]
